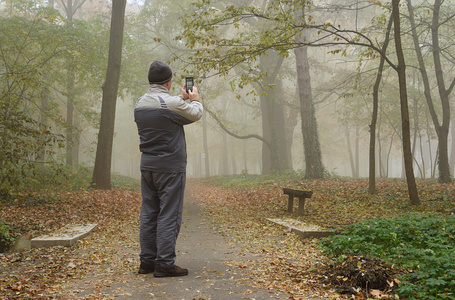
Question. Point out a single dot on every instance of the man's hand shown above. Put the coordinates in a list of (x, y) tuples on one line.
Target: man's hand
[(192, 95)]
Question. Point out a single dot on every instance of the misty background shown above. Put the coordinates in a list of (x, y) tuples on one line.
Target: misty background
[(53, 65)]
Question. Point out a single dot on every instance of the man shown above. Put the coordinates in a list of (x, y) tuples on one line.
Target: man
[(160, 118)]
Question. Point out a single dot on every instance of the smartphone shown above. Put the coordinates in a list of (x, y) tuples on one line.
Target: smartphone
[(189, 81)]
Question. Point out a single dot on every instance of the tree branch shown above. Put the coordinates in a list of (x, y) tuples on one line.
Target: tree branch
[(242, 137)]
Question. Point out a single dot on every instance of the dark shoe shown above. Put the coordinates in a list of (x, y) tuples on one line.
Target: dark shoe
[(169, 272), (146, 268)]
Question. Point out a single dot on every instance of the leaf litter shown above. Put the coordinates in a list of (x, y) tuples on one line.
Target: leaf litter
[(277, 258)]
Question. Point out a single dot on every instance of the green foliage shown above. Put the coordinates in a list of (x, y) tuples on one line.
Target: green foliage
[(22, 138), (58, 177), (51, 177), (120, 182), (45, 60), (6, 238), (26, 51), (424, 244), (249, 180)]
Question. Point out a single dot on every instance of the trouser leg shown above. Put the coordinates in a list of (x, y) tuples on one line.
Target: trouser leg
[(161, 216), (170, 216), (148, 217)]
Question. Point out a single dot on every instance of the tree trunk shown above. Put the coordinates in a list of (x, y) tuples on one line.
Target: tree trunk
[(311, 146), (351, 155), (282, 120), (69, 117), (77, 122), (71, 140), (374, 117), (41, 153), (401, 70), (102, 169), (206, 147), (274, 156), (452, 153), (223, 162), (442, 130), (380, 155), (357, 151)]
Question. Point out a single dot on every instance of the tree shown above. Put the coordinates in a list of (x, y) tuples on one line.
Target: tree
[(312, 150), (70, 9), (374, 117), (27, 51), (223, 53), (282, 37), (102, 168), (441, 128), (405, 124), (274, 154)]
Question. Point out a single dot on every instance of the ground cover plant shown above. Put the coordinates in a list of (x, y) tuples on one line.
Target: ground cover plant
[(423, 245), (238, 207)]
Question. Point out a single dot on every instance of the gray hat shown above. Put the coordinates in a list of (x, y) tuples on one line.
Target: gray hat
[(159, 72)]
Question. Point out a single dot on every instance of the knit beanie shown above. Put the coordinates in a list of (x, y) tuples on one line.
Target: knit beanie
[(159, 73)]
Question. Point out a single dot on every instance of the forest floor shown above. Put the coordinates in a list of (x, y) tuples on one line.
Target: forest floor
[(226, 242)]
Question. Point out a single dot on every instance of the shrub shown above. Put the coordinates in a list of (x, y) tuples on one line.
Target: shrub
[(423, 244), (125, 183), (6, 239)]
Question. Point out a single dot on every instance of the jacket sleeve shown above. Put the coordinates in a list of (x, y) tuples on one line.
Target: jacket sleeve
[(191, 111)]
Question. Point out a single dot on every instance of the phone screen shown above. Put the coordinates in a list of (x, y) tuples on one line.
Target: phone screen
[(189, 81)]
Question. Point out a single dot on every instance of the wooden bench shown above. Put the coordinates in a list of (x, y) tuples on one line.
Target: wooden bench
[(302, 195)]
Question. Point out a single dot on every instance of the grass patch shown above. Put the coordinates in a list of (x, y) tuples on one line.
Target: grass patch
[(249, 180)]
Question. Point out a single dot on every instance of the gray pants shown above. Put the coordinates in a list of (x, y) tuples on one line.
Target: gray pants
[(161, 216)]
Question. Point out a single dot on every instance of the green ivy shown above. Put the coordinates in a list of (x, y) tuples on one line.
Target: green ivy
[(6, 239), (424, 244)]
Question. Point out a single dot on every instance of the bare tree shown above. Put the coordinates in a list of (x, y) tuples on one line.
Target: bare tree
[(442, 128), (405, 127), (374, 117)]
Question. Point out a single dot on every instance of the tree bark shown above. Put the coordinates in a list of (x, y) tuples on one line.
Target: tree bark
[(452, 153), (69, 117), (374, 117), (69, 96), (71, 138), (401, 70), (442, 130), (205, 144), (311, 146), (274, 156), (351, 155), (102, 169)]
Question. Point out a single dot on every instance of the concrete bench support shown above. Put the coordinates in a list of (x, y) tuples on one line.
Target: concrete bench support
[(66, 236)]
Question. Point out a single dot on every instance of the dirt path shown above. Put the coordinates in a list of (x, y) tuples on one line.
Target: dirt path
[(200, 249)]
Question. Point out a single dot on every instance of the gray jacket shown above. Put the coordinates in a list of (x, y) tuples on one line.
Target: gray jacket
[(160, 118)]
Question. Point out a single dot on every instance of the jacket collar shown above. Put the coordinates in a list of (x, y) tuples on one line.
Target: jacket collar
[(158, 88)]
